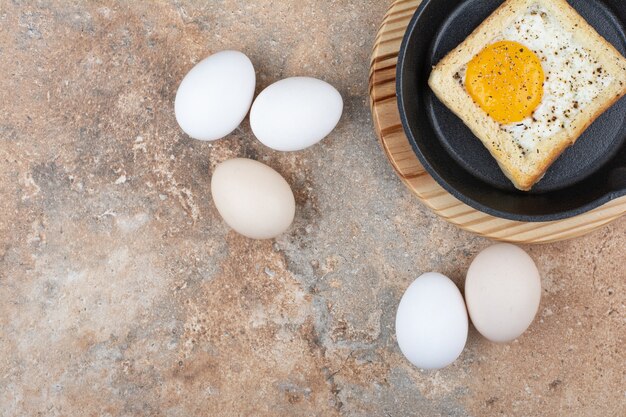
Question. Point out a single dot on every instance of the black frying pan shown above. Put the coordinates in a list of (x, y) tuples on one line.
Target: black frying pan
[(587, 175)]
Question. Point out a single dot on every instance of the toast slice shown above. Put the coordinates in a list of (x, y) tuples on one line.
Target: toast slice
[(522, 163)]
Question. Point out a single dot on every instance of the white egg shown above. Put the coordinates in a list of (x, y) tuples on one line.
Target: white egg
[(215, 96), (295, 113), (252, 198), (502, 291), (431, 322)]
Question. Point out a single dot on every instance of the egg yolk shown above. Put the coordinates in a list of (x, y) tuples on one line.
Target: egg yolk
[(506, 80)]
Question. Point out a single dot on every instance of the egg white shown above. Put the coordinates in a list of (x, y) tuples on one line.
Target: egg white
[(573, 77)]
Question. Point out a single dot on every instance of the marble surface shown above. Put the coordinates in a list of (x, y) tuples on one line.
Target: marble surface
[(122, 293)]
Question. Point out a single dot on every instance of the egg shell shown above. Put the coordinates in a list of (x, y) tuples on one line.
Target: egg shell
[(502, 292), (295, 113), (431, 322), (215, 96), (252, 198)]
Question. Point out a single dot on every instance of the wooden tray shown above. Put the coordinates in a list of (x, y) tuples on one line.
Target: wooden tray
[(390, 132)]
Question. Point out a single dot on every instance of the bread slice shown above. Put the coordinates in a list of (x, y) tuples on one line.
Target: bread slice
[(523, 167)]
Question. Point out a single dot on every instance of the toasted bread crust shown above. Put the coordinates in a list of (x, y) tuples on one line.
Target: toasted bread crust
[(525, 170)]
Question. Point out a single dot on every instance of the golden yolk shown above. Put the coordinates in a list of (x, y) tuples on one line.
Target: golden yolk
[(506, 80)]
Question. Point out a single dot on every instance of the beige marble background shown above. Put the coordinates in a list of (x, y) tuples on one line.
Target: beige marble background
[(122, 293)]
